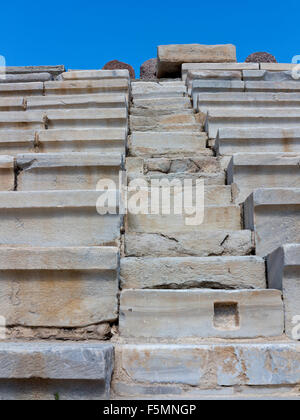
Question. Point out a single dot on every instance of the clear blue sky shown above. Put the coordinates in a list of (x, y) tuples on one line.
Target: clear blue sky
[(87, 34)]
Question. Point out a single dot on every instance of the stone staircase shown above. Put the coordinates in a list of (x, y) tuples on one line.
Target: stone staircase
[(148, 306)]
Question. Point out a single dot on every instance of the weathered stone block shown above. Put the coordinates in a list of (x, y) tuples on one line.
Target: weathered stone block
[(201, 313), (35, 218), (252, 139), (87, 118), (203, 244), (184, 121), (147, 90), (285, 86), (65, 171), (171, 57), (186, 67), (59, 362), (7, 173), (273, 214), (77, 101), (210, 365), (251, 117), (211, 74), (106, 140), (71, 87), (283, 267), (215, 218), (21, 89), (13, 142), (12, 104), (54, 70), (277, 66), (163, 143), (58, 287), (180, 102), (273, 170), (95, 74), (26, 78), (217, 86), (28, 120), (192, 272)]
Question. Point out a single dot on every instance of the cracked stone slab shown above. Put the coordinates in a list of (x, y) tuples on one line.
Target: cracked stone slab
[(158, 103), (192, 272), (209, 365), (267, 76), (58, 287), (171, 57), (201, 313), (248, 140), (251, 117), (186, 67), (35, 218), (147, 90), (164, 143), (7, 173), (65, 171), (273, 215), (106, 140), (196, 244), (283, 268), (61, 362), (272, 170), (182, 121)]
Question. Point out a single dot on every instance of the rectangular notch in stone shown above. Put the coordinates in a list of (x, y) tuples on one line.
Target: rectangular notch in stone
[(226, 316)]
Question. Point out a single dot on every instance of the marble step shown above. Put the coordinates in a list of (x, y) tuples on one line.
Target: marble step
[(71, 87), (58, 287), (66, 171), (262, 170), (273, 214), (205, 313), (7, 173), (47, 371), (186, 67), (253, 139), (236, 272), (56, 218)]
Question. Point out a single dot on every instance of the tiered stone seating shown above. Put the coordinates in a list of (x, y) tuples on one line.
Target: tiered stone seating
[(59, 255)]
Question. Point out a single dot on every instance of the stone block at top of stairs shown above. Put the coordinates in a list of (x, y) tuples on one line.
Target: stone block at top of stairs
[(201, 313), (147, 90), (56, 218), (71, 87), (104, 140), (283, 269), (94, 74), (66, 171), (265, 118), (202, 244), (209, 365), (171, 57), (262, 170), (105, 100), (54, 70), (273, 214), (26, 78), (193, 272), (186, 67), (44, 371), (58, 287), (7, 173), (21, 89), (232, 140), (157, 144)]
